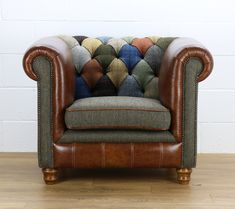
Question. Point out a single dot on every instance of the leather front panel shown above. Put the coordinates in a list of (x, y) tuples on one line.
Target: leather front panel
[(117, 155)]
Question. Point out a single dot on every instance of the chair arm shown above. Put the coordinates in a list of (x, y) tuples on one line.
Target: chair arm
[(173, 74), (62, 77)]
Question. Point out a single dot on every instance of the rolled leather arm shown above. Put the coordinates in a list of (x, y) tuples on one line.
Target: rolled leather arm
[(62, 78), (172, 75)]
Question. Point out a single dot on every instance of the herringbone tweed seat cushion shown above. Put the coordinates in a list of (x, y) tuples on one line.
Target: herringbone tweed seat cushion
[(121, 112)]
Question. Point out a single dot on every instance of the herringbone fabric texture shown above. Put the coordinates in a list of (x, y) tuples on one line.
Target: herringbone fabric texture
[(109, 66), (117, 113)]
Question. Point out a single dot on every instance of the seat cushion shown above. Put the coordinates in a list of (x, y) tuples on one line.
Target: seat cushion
[(117, 112)]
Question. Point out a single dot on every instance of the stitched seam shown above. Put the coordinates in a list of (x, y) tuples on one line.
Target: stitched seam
[(181, 123), (195, 126), (51, 105), (195, 113), (184, 62), (110, 109), (73, 155), (103, 155), (157, 158), (39, 119), (124, 127), (132, 155), (183, 115), (160, 156)]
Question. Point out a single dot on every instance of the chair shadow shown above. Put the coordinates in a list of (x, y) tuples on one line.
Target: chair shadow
[(102, 174)]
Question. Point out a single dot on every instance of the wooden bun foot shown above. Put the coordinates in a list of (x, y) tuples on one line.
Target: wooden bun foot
[(183, 175), (50, 175)]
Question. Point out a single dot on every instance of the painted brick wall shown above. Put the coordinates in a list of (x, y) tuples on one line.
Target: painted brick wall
[(24, 21)]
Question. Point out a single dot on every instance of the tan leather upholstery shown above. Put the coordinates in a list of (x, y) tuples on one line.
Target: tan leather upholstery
[(117, 155)]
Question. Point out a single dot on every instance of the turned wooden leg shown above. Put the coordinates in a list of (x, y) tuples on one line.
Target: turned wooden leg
[(50, 175), (183, 175)]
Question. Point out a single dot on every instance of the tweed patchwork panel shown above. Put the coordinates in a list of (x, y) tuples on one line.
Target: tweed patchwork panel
[(109, 66)]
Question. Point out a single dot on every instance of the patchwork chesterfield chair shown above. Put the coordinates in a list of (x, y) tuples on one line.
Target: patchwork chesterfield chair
[(117, 103)]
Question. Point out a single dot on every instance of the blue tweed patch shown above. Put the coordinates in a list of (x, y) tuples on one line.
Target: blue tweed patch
[(130, 55), (81, 89)]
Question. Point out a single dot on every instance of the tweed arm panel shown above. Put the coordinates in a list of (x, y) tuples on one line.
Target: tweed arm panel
[(172, 74), (62, 74), (48, 62)]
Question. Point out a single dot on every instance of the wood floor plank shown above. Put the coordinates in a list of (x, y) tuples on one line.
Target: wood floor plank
[(212, 186)]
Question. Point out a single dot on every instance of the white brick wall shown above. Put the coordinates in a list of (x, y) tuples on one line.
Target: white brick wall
[(24, 21)]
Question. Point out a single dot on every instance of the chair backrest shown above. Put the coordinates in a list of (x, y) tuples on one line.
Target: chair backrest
[(109, 66)]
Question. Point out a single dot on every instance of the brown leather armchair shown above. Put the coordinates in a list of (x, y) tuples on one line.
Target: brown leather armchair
[(117, 103)]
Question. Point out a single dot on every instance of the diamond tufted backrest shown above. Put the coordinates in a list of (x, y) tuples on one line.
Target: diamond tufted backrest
[(109, 66)]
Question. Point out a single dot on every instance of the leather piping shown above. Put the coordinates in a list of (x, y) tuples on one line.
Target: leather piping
[(104, 109), (116, 127)]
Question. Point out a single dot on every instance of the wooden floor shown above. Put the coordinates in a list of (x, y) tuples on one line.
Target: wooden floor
[(212, 186)]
